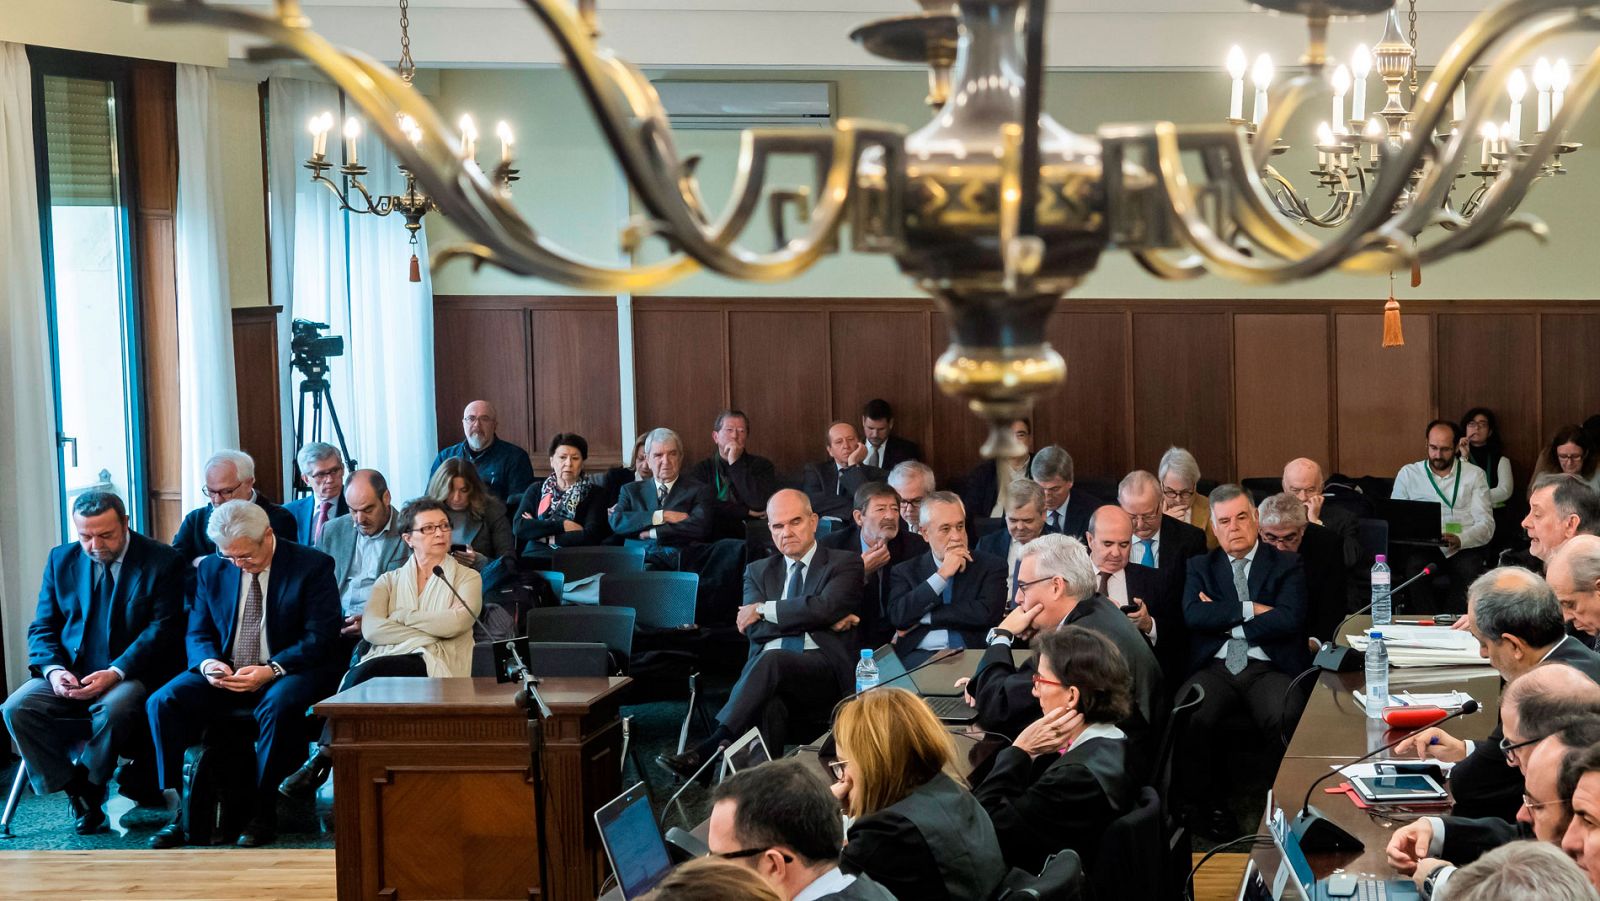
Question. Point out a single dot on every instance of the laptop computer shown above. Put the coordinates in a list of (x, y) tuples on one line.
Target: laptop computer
[(633, 842), (1415, 523), (750, 750), (892, 670), (1295, 879)]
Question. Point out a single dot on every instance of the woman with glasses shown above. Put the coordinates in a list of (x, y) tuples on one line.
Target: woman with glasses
[(1179, 474), (416, 623), (1570, 452), (480, 531), (1065, 778), (918, 832), (566, 510)]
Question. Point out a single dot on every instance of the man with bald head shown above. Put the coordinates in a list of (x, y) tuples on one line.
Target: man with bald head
[(1302, 478), (1157, 604), (504, 467), (1517, 622), (831, 485), (364, 544), (799, 614)]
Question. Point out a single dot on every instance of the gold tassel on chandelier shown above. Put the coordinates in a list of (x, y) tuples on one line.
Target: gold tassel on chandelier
[(416, 269), (1392, 336)]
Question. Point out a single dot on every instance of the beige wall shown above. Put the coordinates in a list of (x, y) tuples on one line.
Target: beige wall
[(569, 189), (105, 26)]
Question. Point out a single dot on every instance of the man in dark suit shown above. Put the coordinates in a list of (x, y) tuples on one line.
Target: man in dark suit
[(322, 468), (262, 634), (740, 482), (673, 512), (1245, 605), (1066, 511), (948, 597), (799, 614), (104, 634), (504, 467), (1159, 541), (230, 476), (785, 808), (885, 449), (1302, 479), (913, 480), (1517, 621), (1284, 526), (883, 545), (1057, 583), (1158, 605), (981, 490), (831, 485), (1024, 522)]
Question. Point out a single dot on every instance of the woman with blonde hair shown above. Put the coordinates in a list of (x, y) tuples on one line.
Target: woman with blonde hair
[(713, 879), (918, 832), (480, 531)]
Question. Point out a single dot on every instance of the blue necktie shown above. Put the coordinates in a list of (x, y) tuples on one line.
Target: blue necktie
[(1149, 558), (797, 588), (93, 654), (951, 636)]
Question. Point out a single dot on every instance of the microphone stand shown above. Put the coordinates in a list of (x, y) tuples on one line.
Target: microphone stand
[(1318, 833), (1335, 659), (529, 699)]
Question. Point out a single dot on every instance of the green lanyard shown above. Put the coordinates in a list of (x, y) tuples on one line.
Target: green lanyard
[(1455, 491)]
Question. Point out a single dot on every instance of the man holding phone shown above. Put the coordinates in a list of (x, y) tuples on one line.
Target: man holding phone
[(1143, 593)]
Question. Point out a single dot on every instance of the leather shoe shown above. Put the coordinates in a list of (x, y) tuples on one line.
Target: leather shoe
[(170, 836), (302, 784), (86, 800), (684, 765), (258, 833)]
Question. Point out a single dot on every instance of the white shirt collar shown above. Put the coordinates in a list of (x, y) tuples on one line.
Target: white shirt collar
[(1564, 640), (829, 883), (1097, 730), (805, 559)]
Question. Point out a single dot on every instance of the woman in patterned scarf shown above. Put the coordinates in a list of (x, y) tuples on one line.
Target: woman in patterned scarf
[(567, 510)]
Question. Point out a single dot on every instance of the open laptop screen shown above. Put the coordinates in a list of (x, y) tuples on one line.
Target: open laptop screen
[(633, 842)]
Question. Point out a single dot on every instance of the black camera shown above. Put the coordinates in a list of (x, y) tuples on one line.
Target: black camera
[(309, 349)]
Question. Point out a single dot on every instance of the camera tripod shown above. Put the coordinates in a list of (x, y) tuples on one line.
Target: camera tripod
[(318, 389)]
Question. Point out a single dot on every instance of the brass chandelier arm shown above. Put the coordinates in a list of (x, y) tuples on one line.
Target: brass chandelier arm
[(1338, 212)]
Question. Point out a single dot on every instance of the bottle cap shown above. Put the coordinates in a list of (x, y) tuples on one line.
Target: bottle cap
[(1374, 634), (1380, 558), (866, 653)]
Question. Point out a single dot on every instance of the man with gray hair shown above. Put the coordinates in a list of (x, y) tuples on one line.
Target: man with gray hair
[(262, 636), (322, 468), (1024, 523), (504, 467), (950, 596), (1285, 525), (230, 475), (671, 511), (1573, 572), (1066, 511), (1560, 507), (1159, 541), (913, 480), (1517, 622), (1056, 586), (1523, 870)]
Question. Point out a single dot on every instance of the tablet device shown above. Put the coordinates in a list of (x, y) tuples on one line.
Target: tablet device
[(747, 752), (1399, 789), (633, 842)]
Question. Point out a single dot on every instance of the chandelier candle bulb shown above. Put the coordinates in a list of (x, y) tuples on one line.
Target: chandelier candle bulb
[(469, 137), (1542, 77), (1361, 67), (352, 131), (503, 131), (1458, 105), (1516, 87), (1237, 64), (1324, 139), (1491, 136), (1341, 87), (1560, 80), (1262, 76)]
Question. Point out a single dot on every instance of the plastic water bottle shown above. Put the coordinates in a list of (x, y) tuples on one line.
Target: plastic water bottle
[(1382, 605), (867, 672), (1377, 674)]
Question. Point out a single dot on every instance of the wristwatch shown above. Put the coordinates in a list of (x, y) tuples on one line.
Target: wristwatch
[(1431, 881), (998, 633), (277, 668)]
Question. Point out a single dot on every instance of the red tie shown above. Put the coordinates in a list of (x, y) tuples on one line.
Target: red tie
[(320, 520)]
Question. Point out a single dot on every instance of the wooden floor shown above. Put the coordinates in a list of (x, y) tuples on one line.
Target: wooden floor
[(268, 875)]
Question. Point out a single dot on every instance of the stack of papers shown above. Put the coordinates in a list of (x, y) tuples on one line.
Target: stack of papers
[(1425, 646), (1448, 700)]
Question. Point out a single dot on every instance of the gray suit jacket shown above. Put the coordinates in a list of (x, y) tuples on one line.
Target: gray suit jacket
[(339, 542), (862, 889)]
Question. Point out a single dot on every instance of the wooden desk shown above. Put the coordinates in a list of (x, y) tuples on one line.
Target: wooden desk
[(433, 788)]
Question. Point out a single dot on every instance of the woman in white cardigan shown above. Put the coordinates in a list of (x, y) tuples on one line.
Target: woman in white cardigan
[(415, 624), (414, 611)]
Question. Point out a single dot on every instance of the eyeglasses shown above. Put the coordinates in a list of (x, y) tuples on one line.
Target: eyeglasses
[(240, 559), (1154, 516), (1569, 458), (332, 472), (1024, 586), (837, 768), (1528, 802), (752, 852), (1283, 538), (1040, 680), (221, 492), (1172, 495), (472, 420), (432, 529), (1508, 748)]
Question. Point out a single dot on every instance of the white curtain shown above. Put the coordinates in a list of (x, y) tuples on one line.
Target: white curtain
[(209, 417), (391, 321), (30, 516), (352, 272)]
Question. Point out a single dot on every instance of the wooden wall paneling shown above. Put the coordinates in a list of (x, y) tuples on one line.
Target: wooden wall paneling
[(778, 374), (1281, 405), (575, 381), (1183, 396), (255, 366), (952, 450), (1569, 373), (153, 158), (1088, 416), (1487, 360), (882, 355), (1385, 395), (481, 353), (679, 365)]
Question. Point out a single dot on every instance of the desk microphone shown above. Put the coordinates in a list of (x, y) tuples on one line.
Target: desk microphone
[(1318, 833), (1335, 659), (439, 571)]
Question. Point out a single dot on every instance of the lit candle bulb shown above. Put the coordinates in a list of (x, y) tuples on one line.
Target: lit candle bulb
[(1324, 139), (1542, 78), (1506, 138), (469, 137), (352, 130), (1560, 79), (1458, 110), (1237, 65), (1341, 87), (1491, 137), (1262, 77), (319, 135), (503, 131), (412, 130), (1376, 132), (1360, 67), (1516, 86)]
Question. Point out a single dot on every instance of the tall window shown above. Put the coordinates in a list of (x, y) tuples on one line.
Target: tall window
[(80, 128)]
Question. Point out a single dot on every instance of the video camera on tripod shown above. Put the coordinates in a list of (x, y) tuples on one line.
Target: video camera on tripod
[(309, 351)]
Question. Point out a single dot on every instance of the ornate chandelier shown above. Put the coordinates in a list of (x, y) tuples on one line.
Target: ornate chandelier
[(948, 200), (1347, 175)]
